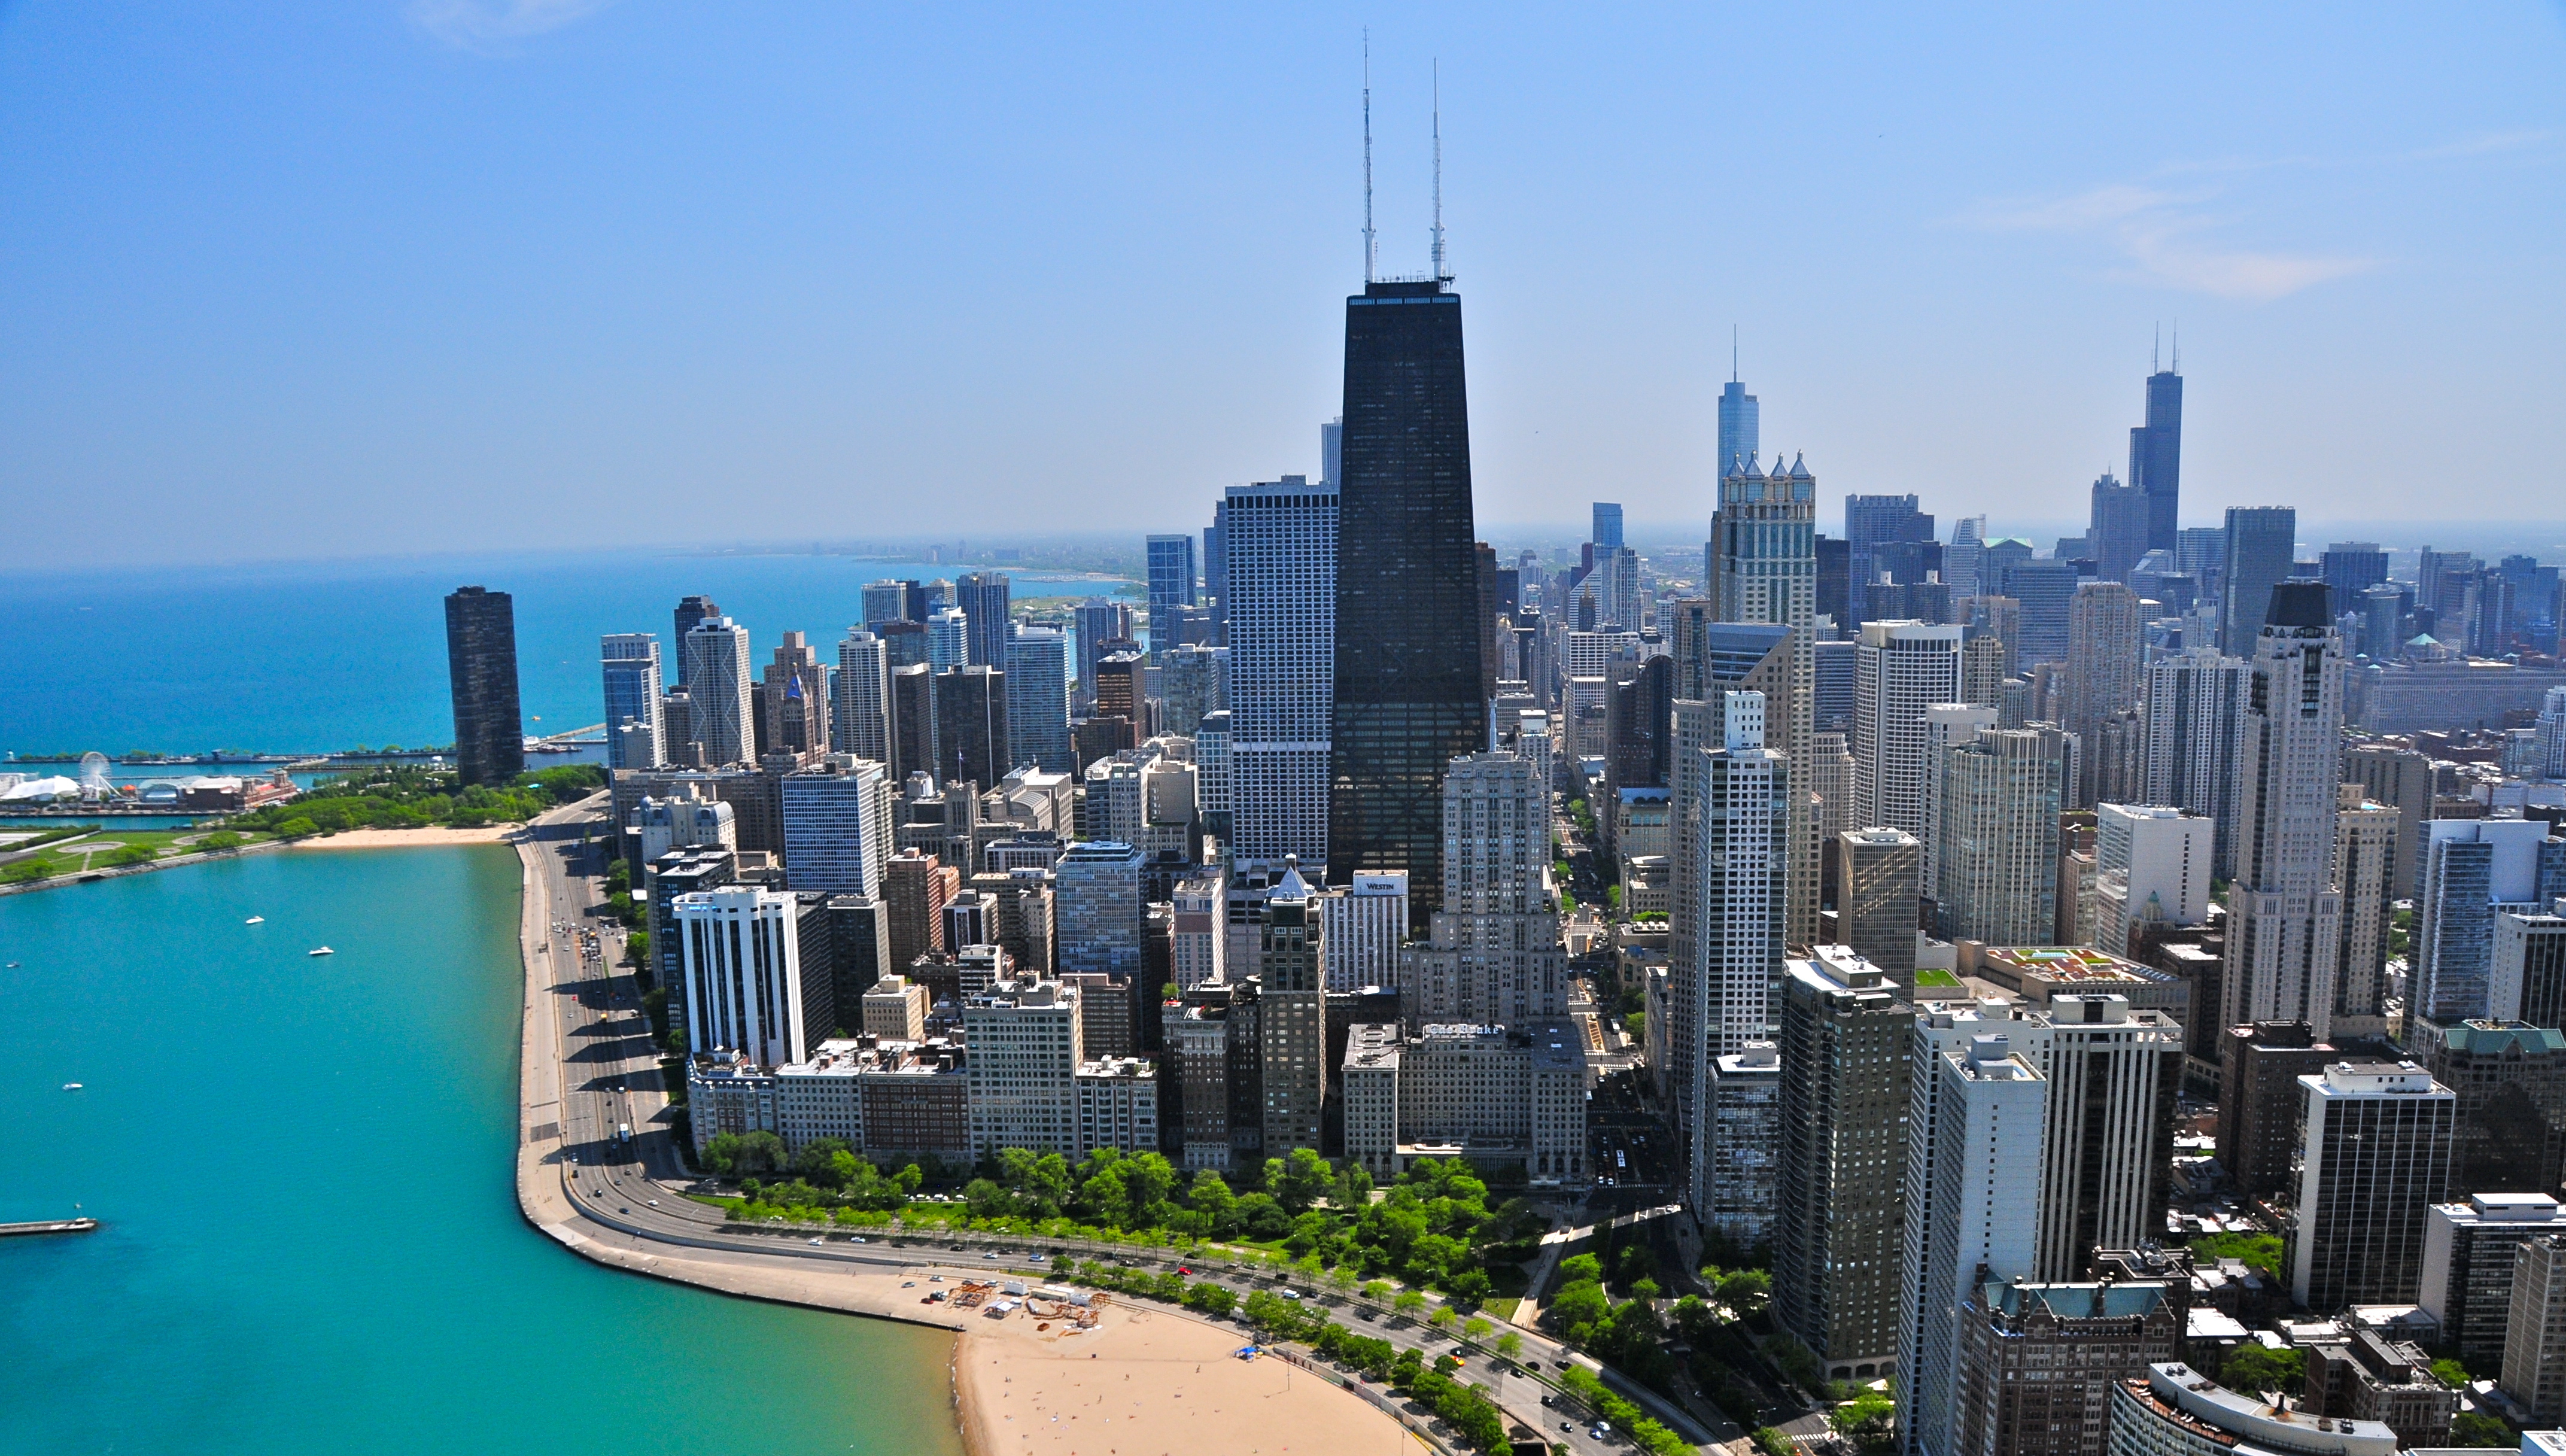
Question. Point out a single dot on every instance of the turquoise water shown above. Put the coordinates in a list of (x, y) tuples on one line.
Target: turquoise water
[(324, 656), (311, 1240)]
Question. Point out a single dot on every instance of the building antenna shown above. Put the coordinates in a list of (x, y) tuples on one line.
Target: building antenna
[(1732, 354), (2156, 352), (1440, 274), (1370, 253), (2178, 345)]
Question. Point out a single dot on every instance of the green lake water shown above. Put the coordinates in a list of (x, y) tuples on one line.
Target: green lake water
[(311, 1240)]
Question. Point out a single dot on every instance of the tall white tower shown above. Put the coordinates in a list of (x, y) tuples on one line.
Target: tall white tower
[(2284, 914)]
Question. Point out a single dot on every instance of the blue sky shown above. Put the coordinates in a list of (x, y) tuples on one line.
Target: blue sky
[(307, 280)]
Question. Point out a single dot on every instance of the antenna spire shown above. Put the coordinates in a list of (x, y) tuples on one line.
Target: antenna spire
[(2178, 345), (1369, 252), (1732, 354), (1440, 275), (2156, 352)]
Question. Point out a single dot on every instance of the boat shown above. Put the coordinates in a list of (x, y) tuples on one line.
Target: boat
[(324, 950), (255, 920), (71, 1086)]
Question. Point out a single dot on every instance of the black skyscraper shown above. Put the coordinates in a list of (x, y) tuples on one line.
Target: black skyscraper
[(1408, 672), (481, 661), (983, 598), (690, 610), (2155, 456)]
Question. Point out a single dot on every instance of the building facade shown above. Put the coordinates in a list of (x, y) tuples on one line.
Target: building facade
[(481, 669)]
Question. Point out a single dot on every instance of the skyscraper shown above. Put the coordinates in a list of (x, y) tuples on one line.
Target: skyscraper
[(1742, 816), (690, 610), (1840, 1220), (481, 665), (746, 989), (2112, 1072), (836, 827), (912, 722), (1099, 622), (1999, 855), (1408, 672), (1494, 955), (2284, 914), (2261, 547), (971, 737), (2155, 456), (1038, 681), (1291, 1021), (1171, 584), (949, 639), (1877, 884), (717, 673), (796, 699), (2196, 701), (1738, 416), (2375, 1157), (1102, 913), (1281, 544), (2117, 532), (2103, 642), (1763, 560), (1961, 557), (630, 663), (983, 600), (859, 704), (1877, 520), (2472, 867), (1900, 669), (1608, 524)]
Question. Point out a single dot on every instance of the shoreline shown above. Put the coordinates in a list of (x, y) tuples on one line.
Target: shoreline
[(1019, 1370), (422, 837)]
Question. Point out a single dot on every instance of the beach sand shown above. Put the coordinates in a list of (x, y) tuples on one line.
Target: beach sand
[(1150, 1383), (496, 834)]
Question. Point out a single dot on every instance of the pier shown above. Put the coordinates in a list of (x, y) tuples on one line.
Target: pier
[(50, 1226)]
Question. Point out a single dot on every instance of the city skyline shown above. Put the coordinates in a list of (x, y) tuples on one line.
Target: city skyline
[(2054, 268)]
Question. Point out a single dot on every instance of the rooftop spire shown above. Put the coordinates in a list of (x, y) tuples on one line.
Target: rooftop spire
[(1732, 354), (1370, 253), (1440, 274)]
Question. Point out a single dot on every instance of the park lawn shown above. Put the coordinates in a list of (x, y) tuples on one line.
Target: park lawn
[(93, 852), (1939, 979)]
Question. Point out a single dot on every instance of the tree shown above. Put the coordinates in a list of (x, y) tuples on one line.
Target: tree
[(1475, 1328), (721, 1152), (219, 840), (1582, 1267), (2451, 1372), (1376, 1290), (2476, 1428), (1443, 1318), (1744, 1291), (1579, 1307), (2252, 1367), (818, 1161), (1865, 1419), (1409, 1303), (761, 1152), (1299, 1181), (1510, 1345)]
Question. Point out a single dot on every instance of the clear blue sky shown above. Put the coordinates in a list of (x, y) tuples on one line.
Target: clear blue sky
[(274, 276)]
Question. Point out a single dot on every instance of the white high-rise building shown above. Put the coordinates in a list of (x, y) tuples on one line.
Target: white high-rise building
[(2151, 867), (719, 714), (1947, 726), (632, 669), (1038, 684), (836, 827), (1744, 819), (1198, 938), (2550, 734), (1281, 550), (949, 639), (1899, 669), (2195, 703), (860, 693), (1026, 1042), (743, 967), (1973, 1170), (1763, 560), (2284, 914), (1364, 924)]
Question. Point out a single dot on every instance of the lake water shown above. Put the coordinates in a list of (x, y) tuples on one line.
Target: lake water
[(305, 656), (306, 1169)]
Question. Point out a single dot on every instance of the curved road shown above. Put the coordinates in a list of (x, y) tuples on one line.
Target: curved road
[(590, 1071)]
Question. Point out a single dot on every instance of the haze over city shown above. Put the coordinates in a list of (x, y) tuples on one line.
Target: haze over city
[(589, 266)]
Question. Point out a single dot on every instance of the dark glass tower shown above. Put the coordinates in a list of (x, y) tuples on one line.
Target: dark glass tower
[(1408, 696), (2155, 456), (481, 662)]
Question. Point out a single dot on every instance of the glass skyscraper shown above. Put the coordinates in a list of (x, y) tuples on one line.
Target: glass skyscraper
[(1737, 427), (1409, 675), (1171, 584), (631, 663), (2155, 458), (481, 662)]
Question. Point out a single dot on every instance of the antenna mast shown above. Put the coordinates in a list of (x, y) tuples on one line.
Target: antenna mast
[(1440, 274), (1369, 250)]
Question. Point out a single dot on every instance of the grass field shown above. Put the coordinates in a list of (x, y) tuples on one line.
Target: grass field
[(110, 848)]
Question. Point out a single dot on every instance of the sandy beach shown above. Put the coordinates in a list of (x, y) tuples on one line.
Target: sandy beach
[(496, 834), (1150, 1383)]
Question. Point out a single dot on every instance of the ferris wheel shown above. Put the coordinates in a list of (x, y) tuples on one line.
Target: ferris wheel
[(93, 777)]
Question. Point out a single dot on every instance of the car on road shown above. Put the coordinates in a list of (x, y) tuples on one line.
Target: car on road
[(653, 1202), (819, 1241), (989, 1255)]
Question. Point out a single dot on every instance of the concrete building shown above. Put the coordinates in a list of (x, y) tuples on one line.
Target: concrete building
[(2403, 780), (2112, 1072), (1117, 1105), (1998, 851), (1026, 1047), (1365, 923), (1497, 1096), (2193, 701), (1973, 1160), (690, 822), (894, 1010), (481, 669), (1192, 681), (1200, 938), (2038, 1362), (2476, 868), (1740, 821), (1495, 953), (2365, 873), (1199, 1055), (2177, 1411), (716, 669), (1947, 726), (1745, 1134), (1900, 669), (2530, 967), (1762, 559), (1878, 885), (2104, 640), (916, 890), (1280, 548), (1841, 1218), (2534, 1343), (793, 701), (860, 697), (2375, 1155), (2152, 868), (630, 662), (2260, 1101), (1102, 913), (1292, 1039), (2467, 1266), (2510, 1082), (746, 989), (972, 743), (2284, 913), (836, 827)]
